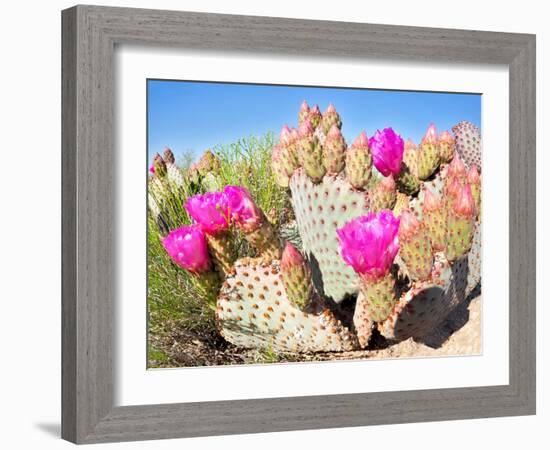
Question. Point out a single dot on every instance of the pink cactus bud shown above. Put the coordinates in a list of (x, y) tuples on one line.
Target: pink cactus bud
[(369, 243), (210, 211), (285, 136), (305, 129), (446, 137), (456, 167), (431, 202), (243, 210), (330, 109), (453, 186), (473, 176), (188, 249), (408, 225), (387, 151), (304, 107), (334, 132), (169, 156), (463, 204), (291, 257), (315, 110), (388, 183), (431, 135), (159, 166), (361, 141), (410, 145)]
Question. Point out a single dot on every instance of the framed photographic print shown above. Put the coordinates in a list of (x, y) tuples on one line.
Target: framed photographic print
[(292, 224)]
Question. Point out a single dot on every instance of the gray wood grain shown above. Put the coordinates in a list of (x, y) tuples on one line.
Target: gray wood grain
[(88, 199)]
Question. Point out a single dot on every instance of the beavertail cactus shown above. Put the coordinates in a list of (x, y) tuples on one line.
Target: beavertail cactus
[(394, 249), (254, 311), (369, 245)]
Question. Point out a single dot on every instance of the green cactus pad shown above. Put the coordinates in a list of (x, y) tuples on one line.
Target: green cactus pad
[(468, 143), (362, 321), (426, 304), (310, 153), (222, 249), (378, 298), (427, 161), (406, 181), (459, 236), (298, 285), (381, 198), (320, 209), (401, 202), (416, 252), (358, 166), (264, 240), (253, 311)]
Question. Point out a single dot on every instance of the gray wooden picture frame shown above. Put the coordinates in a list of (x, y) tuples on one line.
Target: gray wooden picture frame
[(90, 34)]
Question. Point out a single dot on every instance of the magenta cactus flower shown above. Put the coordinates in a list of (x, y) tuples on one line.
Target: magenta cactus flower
[(243, 210), (210, 211), (369, 244), (387, 151), (152, 169), (188, 249)]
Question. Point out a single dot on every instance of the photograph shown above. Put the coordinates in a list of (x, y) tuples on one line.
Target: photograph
[(290, 224)]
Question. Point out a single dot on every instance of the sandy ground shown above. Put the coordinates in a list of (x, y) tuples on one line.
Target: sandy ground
[(460, 334)]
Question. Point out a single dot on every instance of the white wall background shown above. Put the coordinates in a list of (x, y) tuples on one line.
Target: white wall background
[(30, 222)]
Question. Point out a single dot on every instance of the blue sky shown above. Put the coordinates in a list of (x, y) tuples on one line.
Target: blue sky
[(194, 116)]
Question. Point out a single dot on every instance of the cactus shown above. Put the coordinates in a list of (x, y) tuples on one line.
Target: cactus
[(358, 162), (254, 311), (468, 143), (428, 154), (401, 242)]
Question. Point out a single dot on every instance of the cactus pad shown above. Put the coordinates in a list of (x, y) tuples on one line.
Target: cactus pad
[(423, 307), (253, 311), (320, 209), (468, 143)]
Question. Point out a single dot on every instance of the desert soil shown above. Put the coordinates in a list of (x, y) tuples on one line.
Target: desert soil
[(460, 334)]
